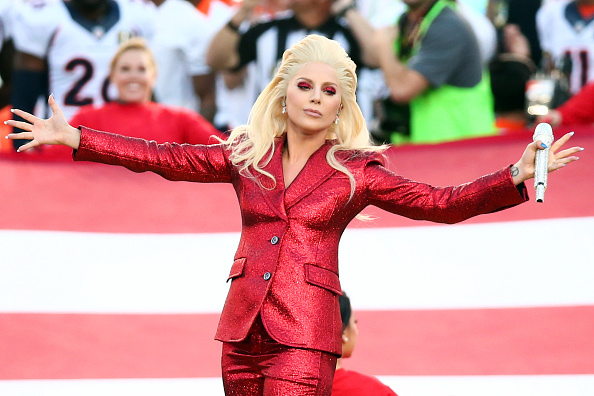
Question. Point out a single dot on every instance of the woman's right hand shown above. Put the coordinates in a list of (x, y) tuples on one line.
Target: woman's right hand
[(525, 167), (54, 130)]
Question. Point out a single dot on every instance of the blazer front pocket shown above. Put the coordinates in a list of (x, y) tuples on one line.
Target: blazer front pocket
[(237, 268), (322, 277)]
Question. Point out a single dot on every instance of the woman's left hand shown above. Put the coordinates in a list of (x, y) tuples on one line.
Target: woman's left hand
[(524, 168)]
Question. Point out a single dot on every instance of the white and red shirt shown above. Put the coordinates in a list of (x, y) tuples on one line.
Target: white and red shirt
[(564, 33), (79, 52)]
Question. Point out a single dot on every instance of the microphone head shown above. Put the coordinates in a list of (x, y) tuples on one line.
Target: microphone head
[(544, 133)]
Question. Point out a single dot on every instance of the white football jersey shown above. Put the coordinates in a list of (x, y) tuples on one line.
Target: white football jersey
[(79, 53), (562, 31), (180, 44)]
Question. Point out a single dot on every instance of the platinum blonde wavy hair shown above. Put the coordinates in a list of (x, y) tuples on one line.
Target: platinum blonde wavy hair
[(252, 144)]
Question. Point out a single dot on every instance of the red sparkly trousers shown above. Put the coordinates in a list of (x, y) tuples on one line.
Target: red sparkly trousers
[(260, 366)]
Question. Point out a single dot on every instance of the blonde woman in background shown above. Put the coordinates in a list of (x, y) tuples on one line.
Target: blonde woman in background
[(133, 71)]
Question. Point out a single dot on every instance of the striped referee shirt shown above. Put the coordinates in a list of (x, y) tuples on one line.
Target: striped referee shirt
[(265, 43)]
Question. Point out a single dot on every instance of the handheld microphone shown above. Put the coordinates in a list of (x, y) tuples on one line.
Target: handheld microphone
[(544, 133)]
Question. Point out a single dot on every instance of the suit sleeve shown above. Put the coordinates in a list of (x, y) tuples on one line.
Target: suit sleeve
[(172, 161), (452, 204)]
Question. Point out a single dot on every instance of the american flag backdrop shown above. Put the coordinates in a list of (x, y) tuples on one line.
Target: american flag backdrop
[(111, 282)]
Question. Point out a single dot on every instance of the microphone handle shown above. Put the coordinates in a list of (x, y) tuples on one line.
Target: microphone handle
[(541, 172)]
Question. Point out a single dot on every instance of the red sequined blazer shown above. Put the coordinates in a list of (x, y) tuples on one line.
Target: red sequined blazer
[(286, 265)]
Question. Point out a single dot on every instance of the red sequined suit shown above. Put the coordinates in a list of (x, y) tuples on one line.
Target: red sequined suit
[(286, 265)]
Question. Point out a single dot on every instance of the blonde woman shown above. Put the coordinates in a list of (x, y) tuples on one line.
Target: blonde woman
[(302, 169), (133, 72)]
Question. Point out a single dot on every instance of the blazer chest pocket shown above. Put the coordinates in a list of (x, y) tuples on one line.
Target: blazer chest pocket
[(237, 268), (322, 277)]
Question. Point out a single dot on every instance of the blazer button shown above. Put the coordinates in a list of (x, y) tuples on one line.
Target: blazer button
[(274, 240), (267, 276)]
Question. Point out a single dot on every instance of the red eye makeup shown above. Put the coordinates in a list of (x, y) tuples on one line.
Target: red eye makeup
[(330, 90)]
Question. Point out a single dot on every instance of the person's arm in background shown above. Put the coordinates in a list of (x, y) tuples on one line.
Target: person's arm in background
[(29, 82), (361, 29), (204, 86), (447, 53), (404, 83), (203, 77), (223, 53), (234, 79)]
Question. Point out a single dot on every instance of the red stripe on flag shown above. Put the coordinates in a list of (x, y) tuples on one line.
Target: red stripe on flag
[(77, 346), (521, 341)]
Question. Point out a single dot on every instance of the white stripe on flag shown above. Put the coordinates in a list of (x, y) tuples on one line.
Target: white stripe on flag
[(463, 266)]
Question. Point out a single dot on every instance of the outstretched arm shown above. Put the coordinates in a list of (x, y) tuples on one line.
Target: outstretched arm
[(199, 163), (54, 130), (524, 168), (452, 204)]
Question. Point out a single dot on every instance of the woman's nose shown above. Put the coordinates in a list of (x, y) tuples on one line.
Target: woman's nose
[(315, 97)]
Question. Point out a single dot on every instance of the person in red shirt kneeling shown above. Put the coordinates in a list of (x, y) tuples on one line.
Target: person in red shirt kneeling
[(348, 382)]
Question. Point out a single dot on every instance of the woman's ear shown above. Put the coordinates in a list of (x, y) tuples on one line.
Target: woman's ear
[(345, 339)]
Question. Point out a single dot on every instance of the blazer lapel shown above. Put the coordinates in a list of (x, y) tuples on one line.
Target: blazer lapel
[(315, 172), (275, 197)]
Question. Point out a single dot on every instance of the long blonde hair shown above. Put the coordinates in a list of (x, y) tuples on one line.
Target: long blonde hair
[(252, 142)]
